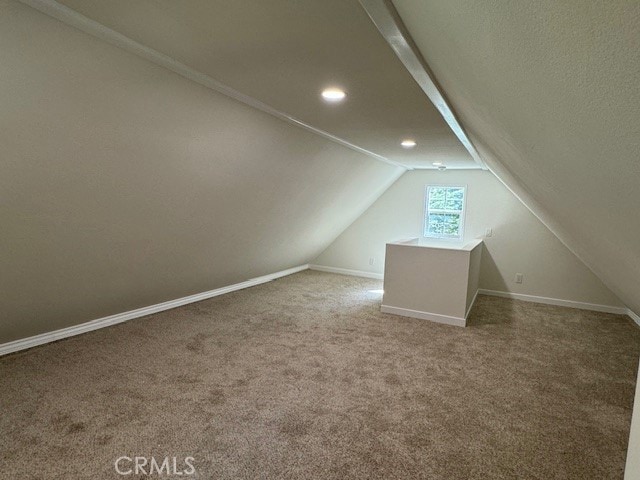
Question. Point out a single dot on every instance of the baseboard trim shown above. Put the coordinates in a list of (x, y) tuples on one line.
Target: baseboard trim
[(345, 271), (556, 301), (74, 330), (433, 317), (634, 316)]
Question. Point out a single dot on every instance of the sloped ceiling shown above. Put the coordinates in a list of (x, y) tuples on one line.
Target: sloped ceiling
[(124, 185), (283, 53), (549, 92)]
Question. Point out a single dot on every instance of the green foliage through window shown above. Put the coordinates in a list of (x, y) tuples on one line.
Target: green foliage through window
[(444, 212)]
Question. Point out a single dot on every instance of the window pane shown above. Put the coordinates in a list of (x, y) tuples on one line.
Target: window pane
[(444, 211), (454, 197), (436, 224), (437, 197), (451, 225)]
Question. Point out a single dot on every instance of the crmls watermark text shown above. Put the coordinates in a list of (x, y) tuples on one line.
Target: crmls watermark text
[(151, 466)]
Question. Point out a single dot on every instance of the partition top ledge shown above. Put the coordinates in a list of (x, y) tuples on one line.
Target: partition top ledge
[(434, 243)]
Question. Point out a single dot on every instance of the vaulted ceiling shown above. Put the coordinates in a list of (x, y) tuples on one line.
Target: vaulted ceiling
[(283, 53), (549, 92), (123, 184), (144, 186)]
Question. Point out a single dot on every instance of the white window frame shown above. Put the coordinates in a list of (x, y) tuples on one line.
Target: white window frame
[(425, 216)]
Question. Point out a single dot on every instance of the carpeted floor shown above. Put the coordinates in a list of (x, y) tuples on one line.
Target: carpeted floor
[(304, 378)]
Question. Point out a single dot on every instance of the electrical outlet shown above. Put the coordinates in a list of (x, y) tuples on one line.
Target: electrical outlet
[(489, 232), (519, 277), (372, 261)]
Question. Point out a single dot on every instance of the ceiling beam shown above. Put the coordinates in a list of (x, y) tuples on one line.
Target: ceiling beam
[(386, 19)]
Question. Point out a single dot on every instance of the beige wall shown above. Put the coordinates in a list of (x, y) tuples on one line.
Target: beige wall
[(548, 92), (430, 280), (123, 185), (520, 242), (473, 282)]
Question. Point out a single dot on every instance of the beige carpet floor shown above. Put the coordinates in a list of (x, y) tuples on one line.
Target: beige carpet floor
[(304, 378)]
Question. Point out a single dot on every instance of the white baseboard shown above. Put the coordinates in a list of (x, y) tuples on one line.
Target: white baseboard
[(434, 317), (556, 301), (634, 316), (345, 271), (47, 337)]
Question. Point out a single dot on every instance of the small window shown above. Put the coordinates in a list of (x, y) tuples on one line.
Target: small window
[(444, 212)]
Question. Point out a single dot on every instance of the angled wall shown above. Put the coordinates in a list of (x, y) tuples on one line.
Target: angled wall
[(520, 243), (548, 91), (123, 184)]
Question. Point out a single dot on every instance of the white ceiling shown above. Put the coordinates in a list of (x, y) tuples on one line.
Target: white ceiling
[(549, 92), (283, 53)]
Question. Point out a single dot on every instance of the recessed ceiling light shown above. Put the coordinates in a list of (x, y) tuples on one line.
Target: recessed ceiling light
[(333, 94), (408, 143), (436, 164)]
